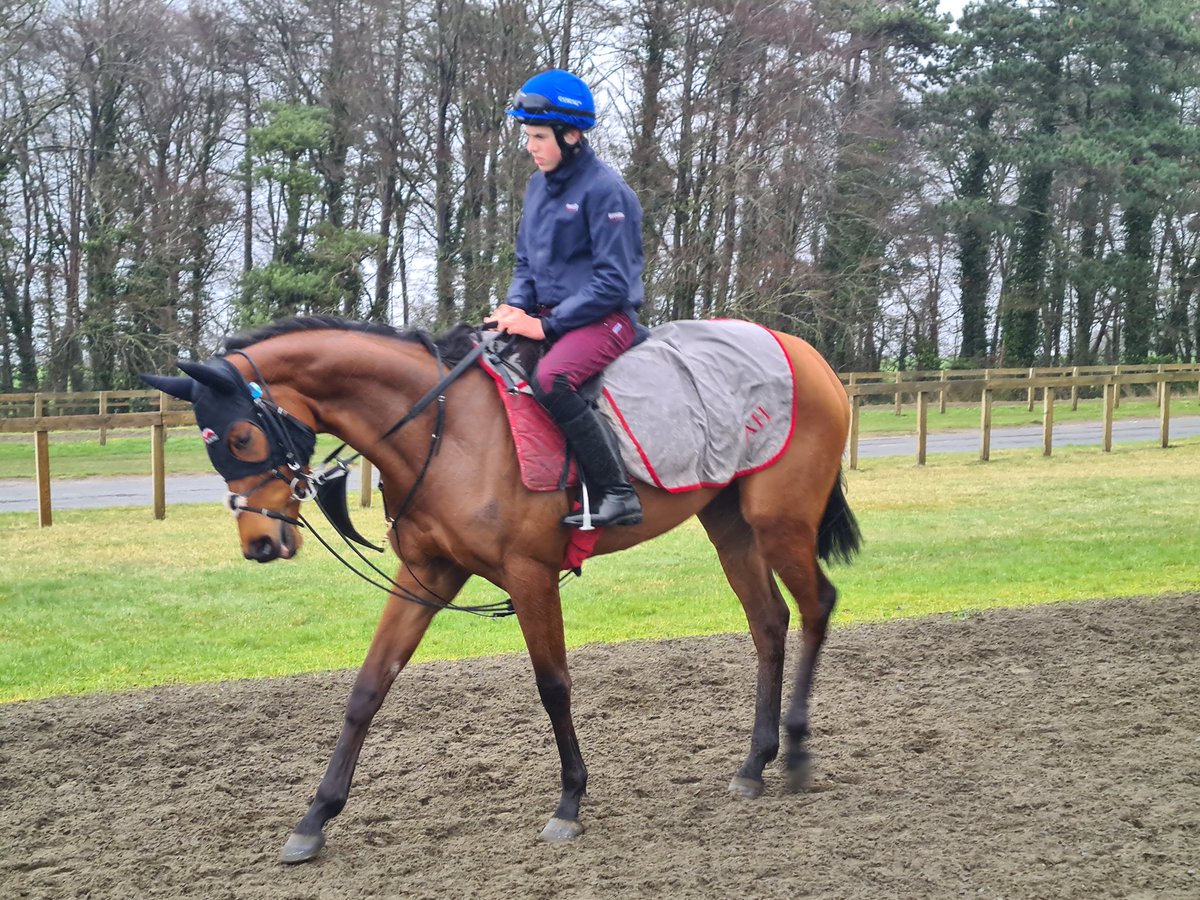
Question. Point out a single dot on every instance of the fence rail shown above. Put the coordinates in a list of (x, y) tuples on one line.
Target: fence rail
[(985, 389), (43, 413)]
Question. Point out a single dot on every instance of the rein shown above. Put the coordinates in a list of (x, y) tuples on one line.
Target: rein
[(436, 393), (305, 484)]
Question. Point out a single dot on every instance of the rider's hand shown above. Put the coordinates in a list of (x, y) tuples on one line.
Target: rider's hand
[(511, 320), (501, 315), (526, 326)]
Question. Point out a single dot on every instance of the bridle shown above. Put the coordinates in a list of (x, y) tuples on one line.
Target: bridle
[(278, 424), (280, 427)]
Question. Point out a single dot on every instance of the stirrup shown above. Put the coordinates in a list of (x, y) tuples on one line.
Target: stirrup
[(623, 508), (585, 499)]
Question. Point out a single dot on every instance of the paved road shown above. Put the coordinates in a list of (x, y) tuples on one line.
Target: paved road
[(20, 495), (1066, 434)]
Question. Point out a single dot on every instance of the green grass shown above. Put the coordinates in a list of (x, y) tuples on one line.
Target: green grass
[(111, 599), (80, 455)]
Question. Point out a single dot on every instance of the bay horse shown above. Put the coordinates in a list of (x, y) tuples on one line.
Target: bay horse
[(466, 512)]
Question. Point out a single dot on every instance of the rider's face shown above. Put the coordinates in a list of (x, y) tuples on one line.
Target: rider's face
[(540, 142)]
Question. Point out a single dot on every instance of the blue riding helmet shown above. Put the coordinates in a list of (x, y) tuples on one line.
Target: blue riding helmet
[(554, 98)]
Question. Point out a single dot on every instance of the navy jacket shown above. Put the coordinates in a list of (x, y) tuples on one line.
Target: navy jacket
[(579, 246)]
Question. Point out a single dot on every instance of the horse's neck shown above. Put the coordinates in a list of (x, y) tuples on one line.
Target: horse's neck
[(357, 389)]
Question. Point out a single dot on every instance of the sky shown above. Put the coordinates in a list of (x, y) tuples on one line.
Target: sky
[(954, 7)]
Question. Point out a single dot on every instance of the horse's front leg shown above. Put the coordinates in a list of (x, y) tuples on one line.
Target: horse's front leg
[(540, 614), (400, 630)]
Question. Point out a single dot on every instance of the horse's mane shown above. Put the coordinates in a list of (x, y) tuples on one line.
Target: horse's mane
[(451, 345)]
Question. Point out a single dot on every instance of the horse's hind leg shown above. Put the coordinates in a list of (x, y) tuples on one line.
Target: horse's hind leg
[(812, 637), (767, 613), (400, 630), (790, 549)]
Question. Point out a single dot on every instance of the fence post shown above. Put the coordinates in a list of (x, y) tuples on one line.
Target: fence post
[(1110, 393), (985, 425), (1164, 421), (899, 378), (922, 425), (1047, 420), (365, 488), (1074, 389), (158, 469), (103, 410), (855, 401), (1161, 385), (942, 398), (1117, 388), (1030, 392), (41, 453)]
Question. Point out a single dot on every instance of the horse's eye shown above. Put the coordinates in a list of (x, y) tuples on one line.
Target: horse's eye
[(247, 443)]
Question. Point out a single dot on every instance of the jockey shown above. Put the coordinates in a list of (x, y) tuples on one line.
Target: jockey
[(578, 279)]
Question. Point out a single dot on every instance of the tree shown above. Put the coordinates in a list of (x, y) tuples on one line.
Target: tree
[(315, 266)]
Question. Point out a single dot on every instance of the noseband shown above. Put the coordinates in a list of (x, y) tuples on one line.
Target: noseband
[(302, 486)]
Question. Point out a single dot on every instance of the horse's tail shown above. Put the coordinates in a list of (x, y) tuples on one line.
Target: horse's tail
[(838, 536)]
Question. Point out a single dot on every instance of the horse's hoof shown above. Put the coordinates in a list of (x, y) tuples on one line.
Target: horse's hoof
[(559, 831), (301, 847), (745, 788), (799, 776)]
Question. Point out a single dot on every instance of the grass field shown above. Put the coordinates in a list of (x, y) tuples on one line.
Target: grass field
[(80, 455), (110, 599)]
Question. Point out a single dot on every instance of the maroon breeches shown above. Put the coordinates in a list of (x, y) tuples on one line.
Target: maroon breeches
[(581, 353)]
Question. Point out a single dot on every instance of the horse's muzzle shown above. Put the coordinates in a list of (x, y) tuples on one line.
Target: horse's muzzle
[(269, 547)]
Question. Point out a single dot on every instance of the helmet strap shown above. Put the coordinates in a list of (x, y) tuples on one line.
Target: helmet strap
[(568, 150)]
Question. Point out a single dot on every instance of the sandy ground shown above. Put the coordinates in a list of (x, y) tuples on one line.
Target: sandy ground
[(1050, 752)]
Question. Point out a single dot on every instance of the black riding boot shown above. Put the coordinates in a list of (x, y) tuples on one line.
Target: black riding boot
[(613, 500)]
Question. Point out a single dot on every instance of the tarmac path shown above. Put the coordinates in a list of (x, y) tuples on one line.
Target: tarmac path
[(20, 494)]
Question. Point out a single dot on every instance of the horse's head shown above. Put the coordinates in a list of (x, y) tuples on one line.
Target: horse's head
[(261, 450)]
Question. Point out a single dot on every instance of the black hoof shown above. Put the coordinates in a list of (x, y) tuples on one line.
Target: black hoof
[(799, 774)]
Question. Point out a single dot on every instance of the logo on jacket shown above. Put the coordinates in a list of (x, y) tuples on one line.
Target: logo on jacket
[(616, 217), (572, 207), (209, 436)]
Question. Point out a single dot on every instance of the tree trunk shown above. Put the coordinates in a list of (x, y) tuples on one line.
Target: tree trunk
[(1137, 224)]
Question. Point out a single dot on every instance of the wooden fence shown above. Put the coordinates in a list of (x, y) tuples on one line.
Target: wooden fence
[(956, 382), (41, 414), (1049, 384)]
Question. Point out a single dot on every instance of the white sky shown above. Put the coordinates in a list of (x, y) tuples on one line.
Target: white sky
[(954, 7)]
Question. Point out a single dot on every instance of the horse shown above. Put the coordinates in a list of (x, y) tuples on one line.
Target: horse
[(457, 507)]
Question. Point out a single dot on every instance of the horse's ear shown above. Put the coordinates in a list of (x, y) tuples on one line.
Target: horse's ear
[(216, 376), (177, 386)]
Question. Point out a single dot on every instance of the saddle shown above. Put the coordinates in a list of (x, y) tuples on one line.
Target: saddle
[(541, 449), (697, 404)]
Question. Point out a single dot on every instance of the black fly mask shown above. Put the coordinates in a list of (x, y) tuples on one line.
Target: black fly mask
[(222, 398)]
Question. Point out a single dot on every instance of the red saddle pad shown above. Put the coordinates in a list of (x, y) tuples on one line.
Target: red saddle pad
[(541, 450), (542, 456)]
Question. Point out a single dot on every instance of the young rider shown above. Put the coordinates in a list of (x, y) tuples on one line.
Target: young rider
[(577, 283)]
